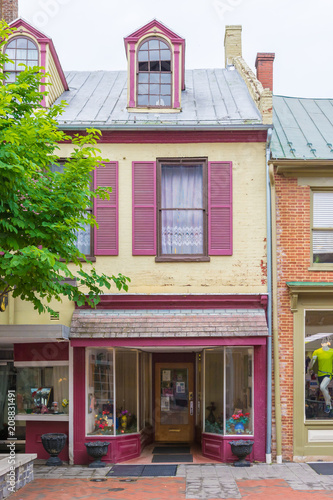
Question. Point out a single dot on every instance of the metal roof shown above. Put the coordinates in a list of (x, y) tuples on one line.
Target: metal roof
[(213, 97), (303, 128)]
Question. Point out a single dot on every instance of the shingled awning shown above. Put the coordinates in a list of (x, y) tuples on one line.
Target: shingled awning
[(172, 323)]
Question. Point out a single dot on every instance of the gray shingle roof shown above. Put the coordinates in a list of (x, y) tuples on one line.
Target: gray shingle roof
[(213, 97), (173, 323), (303, 128)]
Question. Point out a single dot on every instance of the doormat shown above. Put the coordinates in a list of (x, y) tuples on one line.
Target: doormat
[(171, 450), (323, 468), (173, 458), (142, 470)]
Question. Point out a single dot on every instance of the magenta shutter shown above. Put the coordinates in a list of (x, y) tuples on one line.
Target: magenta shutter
[(220, 208), (144, 208), (106, 211)]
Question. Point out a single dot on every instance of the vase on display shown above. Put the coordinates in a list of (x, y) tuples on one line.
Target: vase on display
[(97, 450), (54, 443), (241, 449)]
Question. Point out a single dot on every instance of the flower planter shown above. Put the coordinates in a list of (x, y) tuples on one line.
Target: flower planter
[(241, 449), (97, 450), (54, 443)]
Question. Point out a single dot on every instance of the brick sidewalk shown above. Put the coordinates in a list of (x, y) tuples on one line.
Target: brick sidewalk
[(261, 481)]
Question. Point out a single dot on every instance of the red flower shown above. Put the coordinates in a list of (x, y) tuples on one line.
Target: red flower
[(241, 414), (101, 426), (247, 414)]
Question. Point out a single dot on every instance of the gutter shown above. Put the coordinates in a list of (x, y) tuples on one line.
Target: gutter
[(277, 397), (163, 126), (269, 304)]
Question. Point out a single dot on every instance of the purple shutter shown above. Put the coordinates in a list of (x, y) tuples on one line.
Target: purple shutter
[(220, 208), (106, 211), (144, 208)]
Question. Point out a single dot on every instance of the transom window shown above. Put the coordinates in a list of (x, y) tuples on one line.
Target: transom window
[(322, 227), (182, 208), (154, 74), (21, 51)]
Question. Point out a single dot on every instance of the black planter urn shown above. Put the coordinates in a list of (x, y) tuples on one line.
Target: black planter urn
[(54, 443), (97, 450), (241, 449)]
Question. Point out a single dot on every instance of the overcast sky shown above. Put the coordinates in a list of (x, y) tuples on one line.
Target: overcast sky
[(88, 34)]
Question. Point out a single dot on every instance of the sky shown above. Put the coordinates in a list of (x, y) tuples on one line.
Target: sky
[(88, 34)]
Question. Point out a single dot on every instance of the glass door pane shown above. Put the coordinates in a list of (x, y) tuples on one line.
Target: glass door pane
[(174, 396)]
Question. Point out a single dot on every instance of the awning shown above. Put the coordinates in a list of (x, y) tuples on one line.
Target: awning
[(14, 334), (208, 323)]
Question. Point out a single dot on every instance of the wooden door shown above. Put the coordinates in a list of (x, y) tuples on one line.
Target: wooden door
[(174, 402)]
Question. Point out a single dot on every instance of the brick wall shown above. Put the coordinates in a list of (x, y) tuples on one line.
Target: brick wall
[(9, 10), (293, 261)]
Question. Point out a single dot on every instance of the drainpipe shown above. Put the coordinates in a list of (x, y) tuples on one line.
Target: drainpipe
[(277, 398), (269, 305)]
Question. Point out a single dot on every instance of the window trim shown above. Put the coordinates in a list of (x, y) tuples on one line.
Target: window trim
[(15, 37), (148, 106), (204, 257), (318, 265)]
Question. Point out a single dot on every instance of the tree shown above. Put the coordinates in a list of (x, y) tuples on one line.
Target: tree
[(41, 209)]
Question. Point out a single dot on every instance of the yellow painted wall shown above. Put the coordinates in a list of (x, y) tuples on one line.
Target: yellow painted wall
[(242, 272), (56, 89)]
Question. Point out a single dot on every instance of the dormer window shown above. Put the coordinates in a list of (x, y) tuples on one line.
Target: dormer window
[(21, 51), (154, 74)]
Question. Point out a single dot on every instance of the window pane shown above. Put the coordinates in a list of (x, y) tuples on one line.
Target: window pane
[(143, 66), (166, 101), (143, 89), (163, 45), (239, 387), (143, 55), (10, 53), (174, 396), (153, 44), (21, 43), (33, 55), (165, 89), (9, 66), (165, 55), (165, 78), (83, 240), (154, 89), (126, 392), (323, 209), (144, 46), (155, 66), (318, 365), (154, 55), (182, 186), (21, 54), (214, 375), (322, 242), (100, 416), (182, 232), (142, 100), (165, 66), (11, 77), (31, 45), (154, 78), (19, 66), (143, 77)]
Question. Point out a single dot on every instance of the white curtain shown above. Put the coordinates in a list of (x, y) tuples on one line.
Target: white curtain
[(60, 384), (182, 229)]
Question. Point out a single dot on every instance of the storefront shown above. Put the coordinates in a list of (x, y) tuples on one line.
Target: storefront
[(311, 304), (169, 376)]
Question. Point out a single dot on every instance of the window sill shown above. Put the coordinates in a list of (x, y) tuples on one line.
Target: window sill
[(321, 267), (188, 258), (153, 110)]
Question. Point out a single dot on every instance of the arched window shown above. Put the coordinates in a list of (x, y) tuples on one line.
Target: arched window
[(20, 50), (154, 74)]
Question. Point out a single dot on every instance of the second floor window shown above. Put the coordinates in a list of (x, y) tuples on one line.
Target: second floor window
[(322, 227), (21, 51), (154, 74)]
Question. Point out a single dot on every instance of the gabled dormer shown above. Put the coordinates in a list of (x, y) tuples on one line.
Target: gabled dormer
[(156, 69), (28, 46)]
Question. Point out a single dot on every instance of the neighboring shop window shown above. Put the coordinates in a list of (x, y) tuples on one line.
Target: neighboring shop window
[(42, 390), (107, 414), (318, 365), (228, 391)]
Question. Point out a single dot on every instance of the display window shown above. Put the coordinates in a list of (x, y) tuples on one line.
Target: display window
[(229, 391), (318, 365), (42, 390), (111, 392)]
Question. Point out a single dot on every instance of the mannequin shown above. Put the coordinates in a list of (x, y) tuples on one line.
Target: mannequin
[(325, 370)]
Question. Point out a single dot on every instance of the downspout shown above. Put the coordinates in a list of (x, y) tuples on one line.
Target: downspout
[(277, 397), (269, 304)]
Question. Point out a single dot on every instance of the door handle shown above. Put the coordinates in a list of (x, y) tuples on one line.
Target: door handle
[(191, 408), (174, 430)]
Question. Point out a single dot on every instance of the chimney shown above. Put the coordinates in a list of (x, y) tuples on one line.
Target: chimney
[(9, 10), (232, 43), (264, 66)]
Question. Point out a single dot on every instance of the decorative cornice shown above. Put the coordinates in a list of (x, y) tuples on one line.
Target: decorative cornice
[(308, 288), (303, 168)]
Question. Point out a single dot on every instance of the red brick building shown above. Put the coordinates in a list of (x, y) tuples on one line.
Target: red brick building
[(302, 199)]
